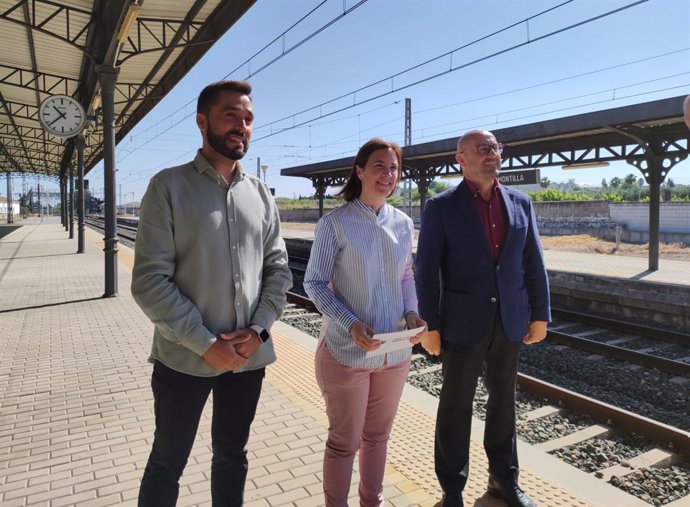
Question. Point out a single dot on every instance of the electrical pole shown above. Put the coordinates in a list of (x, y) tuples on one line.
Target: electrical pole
[(407, 200)]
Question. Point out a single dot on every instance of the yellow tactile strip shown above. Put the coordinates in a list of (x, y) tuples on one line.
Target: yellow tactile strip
[(410, 466)]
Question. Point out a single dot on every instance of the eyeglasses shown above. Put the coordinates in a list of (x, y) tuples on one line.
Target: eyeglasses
[(485, 149)]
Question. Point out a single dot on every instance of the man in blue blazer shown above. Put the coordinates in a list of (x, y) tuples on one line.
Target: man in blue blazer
[(483, 290)]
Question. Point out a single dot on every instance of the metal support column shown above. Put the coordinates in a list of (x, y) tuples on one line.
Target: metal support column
[(320, 187), (10, 215), (63, 203), (107, 76), (423, 184), (655, 165), (38, 195), (70, 208), (79, 142)]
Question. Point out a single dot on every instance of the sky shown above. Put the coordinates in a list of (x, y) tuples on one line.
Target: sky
[(499, 63)]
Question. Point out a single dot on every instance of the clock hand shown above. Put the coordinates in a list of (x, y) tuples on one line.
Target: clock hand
[(62, 115), (54, 121)]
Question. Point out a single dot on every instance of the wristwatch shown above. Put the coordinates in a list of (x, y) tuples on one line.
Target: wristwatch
[(263, 334)]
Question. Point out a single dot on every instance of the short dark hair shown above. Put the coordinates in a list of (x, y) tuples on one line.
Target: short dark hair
[(209, 95), (353, 187)]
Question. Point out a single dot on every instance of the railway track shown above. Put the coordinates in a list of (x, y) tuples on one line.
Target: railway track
[(662, 350), (124, 231), (615, 444)]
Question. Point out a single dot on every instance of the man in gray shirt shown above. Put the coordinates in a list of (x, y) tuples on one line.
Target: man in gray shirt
[(211, 272)]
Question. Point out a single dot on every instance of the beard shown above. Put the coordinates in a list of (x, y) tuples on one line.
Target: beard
[(217, 142)]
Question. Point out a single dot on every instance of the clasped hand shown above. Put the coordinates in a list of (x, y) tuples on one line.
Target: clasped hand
[(232, 350)]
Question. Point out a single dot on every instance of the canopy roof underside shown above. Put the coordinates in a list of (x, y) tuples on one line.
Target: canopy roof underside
[(51, 48)]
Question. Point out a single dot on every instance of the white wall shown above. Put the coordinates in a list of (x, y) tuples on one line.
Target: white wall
[(673, 216), (3, 207)]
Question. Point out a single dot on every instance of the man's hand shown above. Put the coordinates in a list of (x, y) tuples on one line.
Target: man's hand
[(431, 341), (361, 334), (245, 341), (413, 322), (223, 356), (536, 332)]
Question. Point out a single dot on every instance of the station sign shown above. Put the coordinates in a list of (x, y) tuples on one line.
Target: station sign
[(522, 177)]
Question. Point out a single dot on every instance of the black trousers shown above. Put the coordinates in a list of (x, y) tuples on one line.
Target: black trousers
[(179, 400), (462, 365)]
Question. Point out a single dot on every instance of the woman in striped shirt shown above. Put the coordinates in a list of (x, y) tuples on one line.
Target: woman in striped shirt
[(360, 277)]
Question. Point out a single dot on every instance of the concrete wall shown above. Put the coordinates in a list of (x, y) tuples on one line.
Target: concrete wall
[(674, 217), (562, 209), (597, 218)]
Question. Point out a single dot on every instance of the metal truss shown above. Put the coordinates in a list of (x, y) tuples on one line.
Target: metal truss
[(67, 23), (158, 34), (38, 81), (21, 111)]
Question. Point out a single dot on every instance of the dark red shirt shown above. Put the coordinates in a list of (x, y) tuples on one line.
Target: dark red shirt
[(492, 215)]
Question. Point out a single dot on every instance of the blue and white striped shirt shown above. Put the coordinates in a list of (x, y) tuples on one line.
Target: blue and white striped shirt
[(368, 260)]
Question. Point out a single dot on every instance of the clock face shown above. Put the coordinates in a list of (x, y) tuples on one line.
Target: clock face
[(61, 115)]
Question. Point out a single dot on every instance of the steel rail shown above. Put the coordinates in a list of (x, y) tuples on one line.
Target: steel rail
[(626, 326), (632, 356), (660, 433)]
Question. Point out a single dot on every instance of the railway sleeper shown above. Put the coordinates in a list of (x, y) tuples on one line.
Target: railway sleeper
[(594, 431), (657, 457)]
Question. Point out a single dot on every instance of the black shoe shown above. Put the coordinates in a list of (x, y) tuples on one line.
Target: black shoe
[(452, 500), (511, 493)]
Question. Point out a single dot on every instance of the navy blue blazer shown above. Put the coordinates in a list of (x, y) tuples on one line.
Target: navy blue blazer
[(460, 286)]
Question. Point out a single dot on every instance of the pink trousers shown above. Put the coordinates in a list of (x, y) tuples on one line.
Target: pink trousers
[(361, 404)]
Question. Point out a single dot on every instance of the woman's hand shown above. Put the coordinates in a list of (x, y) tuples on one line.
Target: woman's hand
[(361, 334), (414, 321)]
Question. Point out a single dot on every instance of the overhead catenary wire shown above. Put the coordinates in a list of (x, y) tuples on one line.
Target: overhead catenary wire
[(289, 50), (451, 68)]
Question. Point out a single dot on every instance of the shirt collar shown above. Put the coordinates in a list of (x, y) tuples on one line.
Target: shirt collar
[(381, 214), (474, 189), (204, 166)]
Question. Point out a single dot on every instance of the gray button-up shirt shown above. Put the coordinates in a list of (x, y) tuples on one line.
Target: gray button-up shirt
[(209, 259)]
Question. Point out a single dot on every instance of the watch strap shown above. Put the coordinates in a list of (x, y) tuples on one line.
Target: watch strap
[(263, 334)]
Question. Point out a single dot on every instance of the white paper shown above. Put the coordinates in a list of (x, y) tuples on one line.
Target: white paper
[(391, 342)]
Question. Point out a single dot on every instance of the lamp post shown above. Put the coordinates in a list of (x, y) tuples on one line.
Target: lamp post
[(264, 168)]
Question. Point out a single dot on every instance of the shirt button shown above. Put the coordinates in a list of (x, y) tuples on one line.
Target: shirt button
[(498, 268), (238, 303), (237, 275), (233, 247), (493, 225), (232, 219), (493, 300)]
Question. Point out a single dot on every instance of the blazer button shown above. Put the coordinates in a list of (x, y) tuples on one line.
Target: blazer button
[(493, 300)]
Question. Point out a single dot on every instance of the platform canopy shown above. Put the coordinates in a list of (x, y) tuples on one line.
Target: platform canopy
[(617, 134), (650, 136), (51, 47)]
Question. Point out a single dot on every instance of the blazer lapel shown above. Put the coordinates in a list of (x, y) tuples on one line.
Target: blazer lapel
[(509, 205), (469, 213)]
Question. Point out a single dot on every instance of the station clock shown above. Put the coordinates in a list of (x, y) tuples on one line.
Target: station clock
[(61, 115)]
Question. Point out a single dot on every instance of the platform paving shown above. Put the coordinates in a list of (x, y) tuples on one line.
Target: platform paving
[(76, 418)]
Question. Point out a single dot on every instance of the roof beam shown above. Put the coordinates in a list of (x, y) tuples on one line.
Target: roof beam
[(39, 81), (14, 124), (64, 22)]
